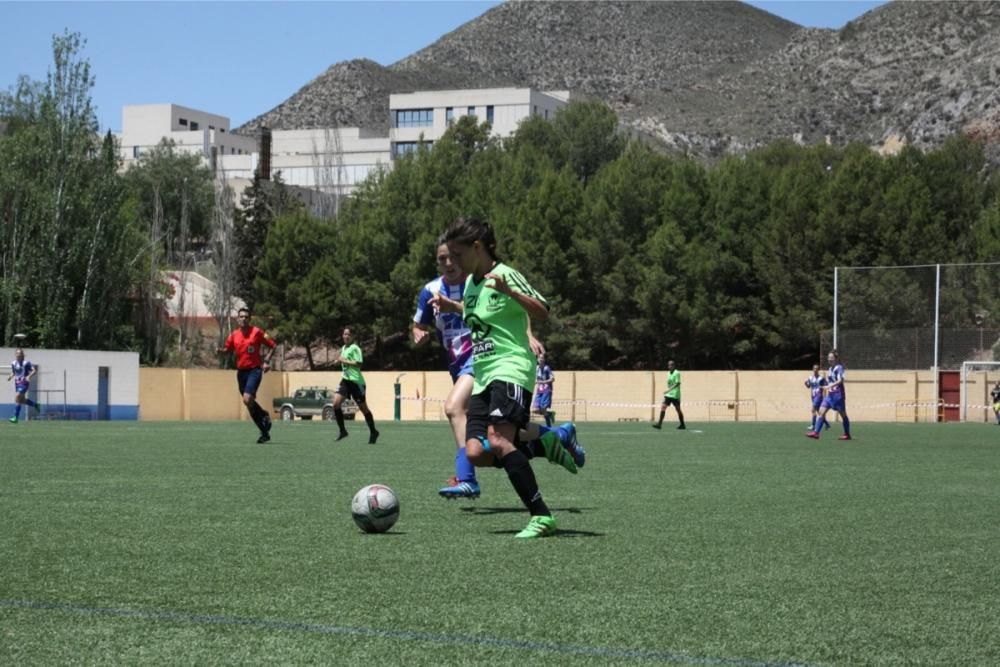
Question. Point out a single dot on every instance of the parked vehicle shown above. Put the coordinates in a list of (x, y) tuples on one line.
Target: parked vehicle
[(309, 402)]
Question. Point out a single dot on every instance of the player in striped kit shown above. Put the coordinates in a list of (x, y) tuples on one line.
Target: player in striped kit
[(836, 397), (21, 371), (816, 384)]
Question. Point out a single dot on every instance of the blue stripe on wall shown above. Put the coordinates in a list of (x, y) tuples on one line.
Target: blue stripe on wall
[(85, 412)]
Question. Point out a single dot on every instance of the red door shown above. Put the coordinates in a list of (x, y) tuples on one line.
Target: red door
[(950, 393)]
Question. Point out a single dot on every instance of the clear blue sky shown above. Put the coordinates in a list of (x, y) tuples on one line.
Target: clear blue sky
[(241, 59)]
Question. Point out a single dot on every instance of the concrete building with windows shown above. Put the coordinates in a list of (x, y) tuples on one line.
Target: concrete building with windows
[(332, 161), (192, 131), (426, 115)]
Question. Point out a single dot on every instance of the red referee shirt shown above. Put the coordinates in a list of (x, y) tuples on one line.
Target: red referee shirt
[(248, 347)]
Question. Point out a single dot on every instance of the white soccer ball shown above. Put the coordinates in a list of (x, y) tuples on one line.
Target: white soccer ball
[(375, 508)]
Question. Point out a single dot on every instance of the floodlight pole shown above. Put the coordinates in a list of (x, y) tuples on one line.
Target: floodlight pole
[(835, 313), (937, 333)]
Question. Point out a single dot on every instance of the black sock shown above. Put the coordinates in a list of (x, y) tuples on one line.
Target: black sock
[(339, 414), (522, 478), (663, 413), (371, 423), (256, 414)]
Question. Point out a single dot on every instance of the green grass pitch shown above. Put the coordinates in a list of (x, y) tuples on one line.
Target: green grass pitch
[(727, 544)]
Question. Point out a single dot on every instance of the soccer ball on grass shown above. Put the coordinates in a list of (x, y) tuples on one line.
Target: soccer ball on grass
[(375, 508)]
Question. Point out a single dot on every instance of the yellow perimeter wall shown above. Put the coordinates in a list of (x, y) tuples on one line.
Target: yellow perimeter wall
[(178, 394)]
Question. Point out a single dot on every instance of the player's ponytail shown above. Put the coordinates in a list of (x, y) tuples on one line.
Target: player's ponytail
[(467, 231)]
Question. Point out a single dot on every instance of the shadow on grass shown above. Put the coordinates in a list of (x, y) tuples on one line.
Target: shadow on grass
[(559, 533), (521, 510)]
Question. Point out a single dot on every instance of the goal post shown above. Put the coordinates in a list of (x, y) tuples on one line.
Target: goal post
[(978, 378)]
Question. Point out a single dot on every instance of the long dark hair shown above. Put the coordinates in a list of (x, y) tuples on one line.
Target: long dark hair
[(469, 230)]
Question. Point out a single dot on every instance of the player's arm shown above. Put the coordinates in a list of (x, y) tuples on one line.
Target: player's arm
[(420, 333), (446, 305), (265, 357), (536, 307), (537, 347), (31, 373), (351, 360), (420, 328), (227, 346)]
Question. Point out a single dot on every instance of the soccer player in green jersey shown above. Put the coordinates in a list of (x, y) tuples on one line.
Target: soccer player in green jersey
[(672, 396), (497, 303), (352, 385)]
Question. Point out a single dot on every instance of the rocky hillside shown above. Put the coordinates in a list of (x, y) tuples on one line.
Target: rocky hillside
[(704, 77)]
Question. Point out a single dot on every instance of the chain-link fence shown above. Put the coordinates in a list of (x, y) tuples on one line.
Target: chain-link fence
[(916, 317)]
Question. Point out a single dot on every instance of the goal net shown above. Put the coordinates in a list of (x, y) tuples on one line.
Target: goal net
[(978, 380)]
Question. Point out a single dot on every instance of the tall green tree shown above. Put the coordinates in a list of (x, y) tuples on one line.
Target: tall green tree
[(70, 251), (261, 204)]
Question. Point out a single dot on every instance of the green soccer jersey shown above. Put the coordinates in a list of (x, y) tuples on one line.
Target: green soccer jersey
[(352, 353), (499, 325), (673, 380)]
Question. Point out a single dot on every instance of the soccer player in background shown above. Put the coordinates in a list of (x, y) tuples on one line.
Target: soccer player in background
[(352, 385), (248, 342), (544, 377), (497, 304), (836, 398), (21, 371), (672, 396), (456, 339), (816, 384), (995, 395)]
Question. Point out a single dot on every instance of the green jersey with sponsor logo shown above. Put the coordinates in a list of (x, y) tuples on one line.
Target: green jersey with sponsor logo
[(673, 385), (499, 325), (352, 353)]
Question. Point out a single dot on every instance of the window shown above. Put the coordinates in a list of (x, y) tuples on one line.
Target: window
[(546, 114), (222, 129), (535, 112), (401, 148), (135, 151), (471, 111), (194, 125), (413, 118), (182, 121), (211, 127), (449, 115), (489, 114)]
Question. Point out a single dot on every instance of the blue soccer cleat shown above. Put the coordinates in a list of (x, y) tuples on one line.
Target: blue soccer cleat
[(460, 490), (572, 445)]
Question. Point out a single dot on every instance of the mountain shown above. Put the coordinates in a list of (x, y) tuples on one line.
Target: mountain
[(707, 78)]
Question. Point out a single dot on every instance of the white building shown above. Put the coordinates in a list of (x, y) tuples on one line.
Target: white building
[(192, 131), (333, 160), (426, 115)]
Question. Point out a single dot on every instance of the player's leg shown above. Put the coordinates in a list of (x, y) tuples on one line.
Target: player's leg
[(27, 401), (359, 398), (538, 441), (824, 408), (249, 381), (846, 422), (370, 420), (338, 413), (663, 413), (680, 414), (464, 484), (18, 401), (512, 402)]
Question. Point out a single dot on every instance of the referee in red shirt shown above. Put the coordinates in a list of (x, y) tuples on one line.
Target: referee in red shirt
[(248, 342)]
